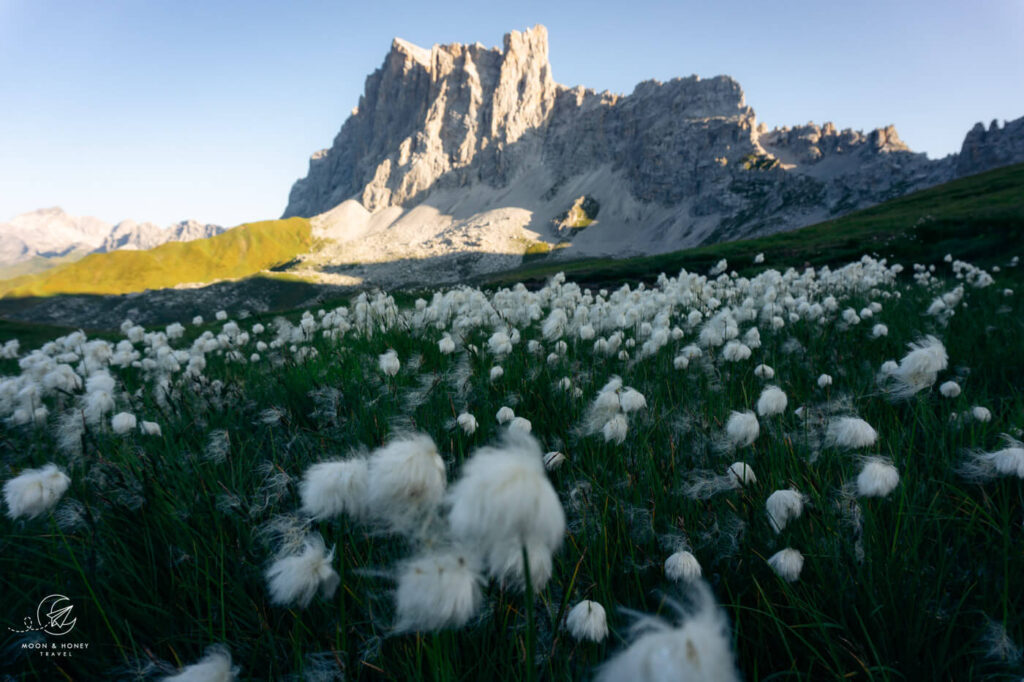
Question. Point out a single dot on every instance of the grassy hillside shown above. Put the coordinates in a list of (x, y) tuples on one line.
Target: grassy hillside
[(243, 251), (974, 218)]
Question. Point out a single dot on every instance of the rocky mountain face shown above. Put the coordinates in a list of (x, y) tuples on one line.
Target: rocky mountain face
[(465, 149), (53, 233), (128, 234)]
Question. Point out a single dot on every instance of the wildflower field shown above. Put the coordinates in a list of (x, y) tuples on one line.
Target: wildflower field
[(809, 473)]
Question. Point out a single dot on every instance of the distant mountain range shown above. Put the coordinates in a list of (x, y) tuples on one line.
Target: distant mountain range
[(31, 240), (473, 155)]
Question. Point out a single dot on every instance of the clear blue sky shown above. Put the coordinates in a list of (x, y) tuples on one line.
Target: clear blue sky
[(169, 109)]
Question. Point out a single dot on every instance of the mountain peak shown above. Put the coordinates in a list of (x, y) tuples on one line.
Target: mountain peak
[(415, 52), (465, 137)]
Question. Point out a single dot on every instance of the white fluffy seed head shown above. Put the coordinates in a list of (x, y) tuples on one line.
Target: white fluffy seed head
[(34, 492), (467, 422), (389, 363), (295, 580), (772, 401), (877, 478), (735, 351), (784, 506), (502, 502), (520, 424), (949, 389), (438, 591), (505, 415), (982, 414), (446, 345), (764, 372), (497, 372), (918, 369), (850, 433), (698, 648), (787, 564), (682, 566), (742, 428), (123, 422), (631, 400), (740, 474), (825, 380), (214, 666), (1008, 461), (615, 429), (553, 460), (150, 428), (587, 621), (330, 489), (405, 482)]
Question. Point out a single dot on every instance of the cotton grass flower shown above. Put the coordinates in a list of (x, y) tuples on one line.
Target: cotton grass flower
[(877, 478), (214, 666), (504, 502), (879, 330), (742, 428), (741, 474), (295, 580), (772, 401), (918, 369), (437, 591), (34, 492), (949, 389), (467, 423), (787, 564), (389, 363), (553, 460), (446, 345), (1008, 461), (615, 429), (505, 415), (123, 422), (824, 381), (682, 566), (497, 372), (784, 506), (850, 433), (982, 414), (631, 400), (698, 648), (405, 482), (587, 621), (329, 489), (735, 351), (520, 424), (150, 428), (764, 372)]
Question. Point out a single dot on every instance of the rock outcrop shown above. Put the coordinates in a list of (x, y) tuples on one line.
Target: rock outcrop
[(984, 149), (471, 139)]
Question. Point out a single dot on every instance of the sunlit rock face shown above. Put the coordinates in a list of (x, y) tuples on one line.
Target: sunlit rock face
[(672, 164)]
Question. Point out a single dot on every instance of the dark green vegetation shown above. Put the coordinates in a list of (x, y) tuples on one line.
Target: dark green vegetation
[(168, 556), (979, 219), (241, 252)]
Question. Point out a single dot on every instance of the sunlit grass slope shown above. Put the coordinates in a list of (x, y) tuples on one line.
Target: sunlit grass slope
[(241, 252)]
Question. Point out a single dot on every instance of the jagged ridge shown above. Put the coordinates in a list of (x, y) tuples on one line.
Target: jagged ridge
[(689, 153)]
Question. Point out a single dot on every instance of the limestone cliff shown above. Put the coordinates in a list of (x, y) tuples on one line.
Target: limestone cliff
[(469, 131)]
